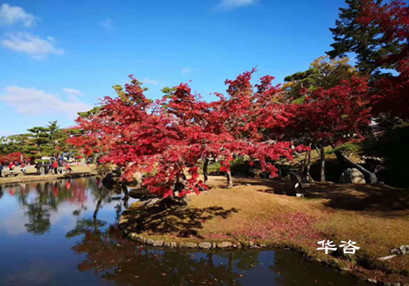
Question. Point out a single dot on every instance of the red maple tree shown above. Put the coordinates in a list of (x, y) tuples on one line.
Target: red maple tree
[(12, 157), (163, 139), (332, 116)]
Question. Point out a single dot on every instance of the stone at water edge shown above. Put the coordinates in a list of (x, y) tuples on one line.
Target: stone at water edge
[(157, 243), (224, 244), (188, 244), (404, 249), (205, 245), (396, 251), (123, 220), (352, 176)]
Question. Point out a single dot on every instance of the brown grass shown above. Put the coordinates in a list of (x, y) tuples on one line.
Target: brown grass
[(376, 217)]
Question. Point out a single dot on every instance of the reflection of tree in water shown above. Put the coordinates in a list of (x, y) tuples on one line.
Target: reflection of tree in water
[(84, 226), (117, 259), (92, 225), (101, 196), (243, 260), (48, 196), (38, 218), (38, 212)]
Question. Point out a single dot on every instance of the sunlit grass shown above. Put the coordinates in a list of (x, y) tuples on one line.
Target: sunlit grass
[(332, 212)]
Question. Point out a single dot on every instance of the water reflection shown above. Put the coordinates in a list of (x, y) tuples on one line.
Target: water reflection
[(40, 199), (65, 233), (115, 259)]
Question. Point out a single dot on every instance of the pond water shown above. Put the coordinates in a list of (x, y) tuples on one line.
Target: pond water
[(65, 233)]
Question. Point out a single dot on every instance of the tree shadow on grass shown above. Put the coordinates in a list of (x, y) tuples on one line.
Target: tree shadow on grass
[(380, 200), (181, 221), (279, 186), (374, 199)]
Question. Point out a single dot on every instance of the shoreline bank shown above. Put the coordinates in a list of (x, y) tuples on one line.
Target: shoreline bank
[(237, 246), (77, 172), (251, 216), (40, 178)]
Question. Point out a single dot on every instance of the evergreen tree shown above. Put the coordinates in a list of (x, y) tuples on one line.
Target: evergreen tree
[(352, 36)]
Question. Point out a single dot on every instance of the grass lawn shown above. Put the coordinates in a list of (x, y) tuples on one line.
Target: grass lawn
[(375, 217)]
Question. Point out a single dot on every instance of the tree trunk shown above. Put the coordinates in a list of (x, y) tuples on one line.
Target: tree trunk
[(322, 155), (97, 209), (126, 194), (307, 174), (205, 165), (229, 179), (370, 176), (304, 164)]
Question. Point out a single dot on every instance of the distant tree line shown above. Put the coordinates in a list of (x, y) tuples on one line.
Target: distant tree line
[(39, 141)]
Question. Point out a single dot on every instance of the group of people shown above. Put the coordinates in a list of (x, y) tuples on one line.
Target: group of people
[(11, 166), (52, 166)]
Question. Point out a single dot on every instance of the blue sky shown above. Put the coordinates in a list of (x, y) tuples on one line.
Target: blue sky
[(60, 57)]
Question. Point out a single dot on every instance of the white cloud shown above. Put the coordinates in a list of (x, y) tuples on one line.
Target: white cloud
[(33, 101), (10, 15), (13, 222), (186, 70), (150, 81), (107, 24), (32, 45), (72, 91), (230, 4)]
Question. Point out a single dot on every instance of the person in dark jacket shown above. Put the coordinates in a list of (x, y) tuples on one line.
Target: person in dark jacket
[(47, 167), (38, 166)]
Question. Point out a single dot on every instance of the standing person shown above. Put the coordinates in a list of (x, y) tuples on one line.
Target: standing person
[(68, 167), (1, 169), (61, 164), (38, 166), (47, 167), (23, 168), (55, 166)]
